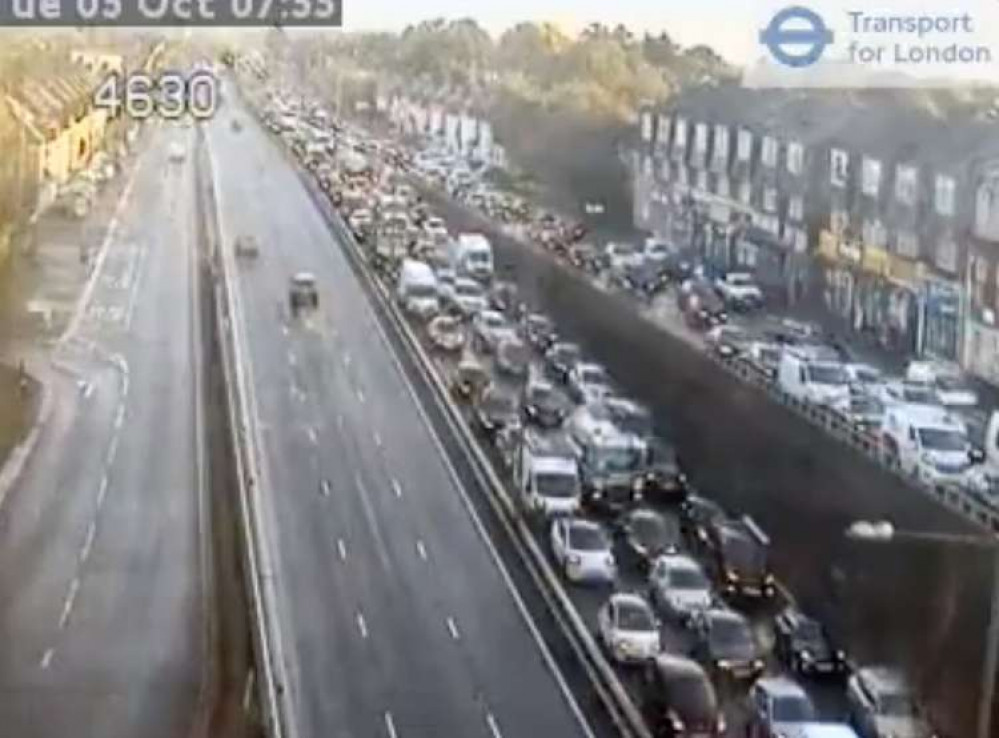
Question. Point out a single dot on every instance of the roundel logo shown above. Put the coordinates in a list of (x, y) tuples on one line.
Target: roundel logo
[(796, 36)]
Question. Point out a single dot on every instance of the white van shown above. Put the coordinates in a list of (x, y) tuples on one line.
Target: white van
[(547, 473), (945, 379), (472, 254), (808, 379), (417, 289), (929, 443)]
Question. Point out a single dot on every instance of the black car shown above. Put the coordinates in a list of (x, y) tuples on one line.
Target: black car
[(539, 331), (726, 644), (662, 477), (503, 297), (587, 257), (560, 358), (739, 555), (630, 416), (494, 410), (645, 534), (701, 306), (678, 699), (513, 358), (697, 515), (644, 279), (679, 264), (543, 405), (802, 643)]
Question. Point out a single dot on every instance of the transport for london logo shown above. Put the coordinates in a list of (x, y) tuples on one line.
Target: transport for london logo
[(796, 36)]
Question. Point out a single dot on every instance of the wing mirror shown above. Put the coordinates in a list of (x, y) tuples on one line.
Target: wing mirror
[(976, 455)]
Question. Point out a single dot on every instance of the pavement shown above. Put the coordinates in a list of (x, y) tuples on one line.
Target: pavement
[(396, 616), (100, 569)]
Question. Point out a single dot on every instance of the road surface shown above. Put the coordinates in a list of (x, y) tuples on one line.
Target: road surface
[(396, 618), (101, 607)]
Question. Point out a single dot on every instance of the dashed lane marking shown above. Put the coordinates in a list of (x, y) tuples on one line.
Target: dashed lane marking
[(397, 488), (341, 548), (493, 725), (67, 606), (88, 542), (362, 626), (47, 658), (452, 628), (421, 549)]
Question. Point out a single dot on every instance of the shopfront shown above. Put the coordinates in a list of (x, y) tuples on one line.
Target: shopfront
[(902, 295), (941, 319), (844, 278)]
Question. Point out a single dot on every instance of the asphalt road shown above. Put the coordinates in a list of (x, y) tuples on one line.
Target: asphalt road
[(100, 566), (396, 617)]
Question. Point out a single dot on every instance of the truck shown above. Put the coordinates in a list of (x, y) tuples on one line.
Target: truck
[(609, 459), (546, 472), (471, 254)]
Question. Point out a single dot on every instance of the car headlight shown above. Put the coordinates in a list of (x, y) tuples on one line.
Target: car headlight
[(731, 575), (841, 655), (723, 664), (805, 654), (768, 579), (758, 664), (574, 559)]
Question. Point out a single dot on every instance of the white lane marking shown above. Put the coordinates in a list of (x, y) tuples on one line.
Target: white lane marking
[(452, 628), (324, 487), (248, 690), (493, 725), (362, 626), (378, 439), (360, 395), (341, 548), (421, 549), (102, 491), (119, 417), (284, 328), (346, 359), (397, 488), (292, 360), (88, 542), (88, 389), (112, 451), (372, 521), (390, 725), (47, 658), (67, 606), (313, 436)]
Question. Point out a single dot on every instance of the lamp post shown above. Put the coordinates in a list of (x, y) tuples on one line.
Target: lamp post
[(883, 531)]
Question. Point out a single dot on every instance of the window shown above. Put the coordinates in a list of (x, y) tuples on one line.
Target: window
[(838, 221), (745, 191), (871, 176), (906, 245), (839, 163), (795, 158), (646, 126), (769, 153), (724, 187), (770, 199), (701, 138), (905, 184), (721, 145), (946, 256), (745, 145), (944, 195), (680, 135), (702, 180), (662, 134), (987, 209), (796, 207), (879, 235)]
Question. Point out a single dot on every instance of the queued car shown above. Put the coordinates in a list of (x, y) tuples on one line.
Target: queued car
[(764, 357), (582, 549), (697, 515), (645, 534), (802, 643), (739, 553), (909, 393), (489, 328), (661, 475), (739, 291), (679, 588), (560, 358), (587, 257), (503, 297), (588, 382), (538, 330), (447, 333), (727, 340), (701, 306), (247, 247), (628, 628), (360, 222), (494, 410), (779, 707), (863, 412), (468, 298), (678, 699), (543, 405), (726, 643), (513, 358), (883, 705)]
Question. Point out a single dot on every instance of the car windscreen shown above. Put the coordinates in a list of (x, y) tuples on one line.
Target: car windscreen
[(593, 376), (731, 638), (587, 538), (615, 458), (739, 280), (650, 531), (689, 578), (743, 554), (479, 257), (828, 374), (792, 709), (694, 699), (770, 356), (464, 289), (634, 617), (422, 290), (942, 439), (919, 395), (514, 352), (809, 633), (563, 486), (897, 704)]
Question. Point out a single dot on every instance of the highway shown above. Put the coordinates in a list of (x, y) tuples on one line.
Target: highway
[(397, 618), (102, 611)]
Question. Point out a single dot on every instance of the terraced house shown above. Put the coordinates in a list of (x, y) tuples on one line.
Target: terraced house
[(863, 209)]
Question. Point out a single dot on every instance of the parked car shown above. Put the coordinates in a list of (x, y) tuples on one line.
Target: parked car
[(726, 644), (446, 333), (645, 534), (628, 628), (560, 358), (582, 550), (802, 643), (779, 707), (679, 587), (679, 700), (538, 330), (494, 410), (588, 382), (727, 340), (543, 405), (489, 328), (513, 358), (883, 705), (739, 291), (739, 552)]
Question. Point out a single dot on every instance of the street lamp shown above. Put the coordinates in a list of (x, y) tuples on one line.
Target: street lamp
[(883, 531)]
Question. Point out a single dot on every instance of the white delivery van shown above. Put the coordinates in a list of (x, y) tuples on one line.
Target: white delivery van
[(945, 379), (547, 474), (811, 380), (928, 443), (472, 255), (417, 289)]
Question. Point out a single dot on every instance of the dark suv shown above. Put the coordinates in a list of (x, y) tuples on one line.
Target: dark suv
[(678, 699), (739, 556)]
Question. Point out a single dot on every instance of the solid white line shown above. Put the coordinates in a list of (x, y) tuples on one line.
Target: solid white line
[(88, 390), (67, 606), (47, 658), (493, 726), (119, 417), (452, 628), (397, 488), (341, 548), (112, 451), (248, 690), (421, 549), (362, 626), (390, 725), (88, 541)]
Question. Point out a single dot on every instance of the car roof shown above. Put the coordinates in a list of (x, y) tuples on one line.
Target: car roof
[(629, 598), (679, 561), (672, 664), (781, 686), (826, 730), (304, 277), (645, 512), (725, 613), (590, 366), (583, 523)]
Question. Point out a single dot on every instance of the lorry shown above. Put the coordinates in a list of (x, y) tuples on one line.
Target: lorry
[(471, 254), (609, 462), (416, 289), (546, 472)]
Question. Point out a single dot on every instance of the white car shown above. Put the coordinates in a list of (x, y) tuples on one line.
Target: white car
[(909, 393), (588, 382), (468, 297), (621, 256), (489, 329), (739, 290), (583, 550), (177, 153), (864, 377), (946, 380), (679, 586), (629, 629), (445, 283)]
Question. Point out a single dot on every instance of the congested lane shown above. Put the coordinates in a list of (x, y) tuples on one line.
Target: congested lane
[(395, 615)]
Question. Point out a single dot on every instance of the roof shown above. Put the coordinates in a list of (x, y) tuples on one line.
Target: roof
[(678, 560)]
